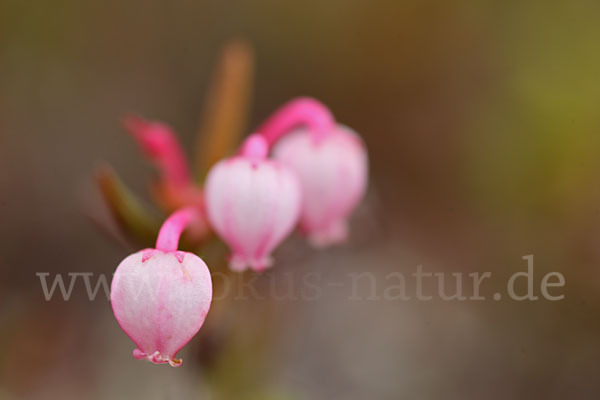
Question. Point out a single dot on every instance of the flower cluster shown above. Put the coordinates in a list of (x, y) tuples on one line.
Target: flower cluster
[(301, 169)]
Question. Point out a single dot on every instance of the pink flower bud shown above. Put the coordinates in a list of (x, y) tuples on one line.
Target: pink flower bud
[(252, 203), (160, 297), (160, 143), (332, 170)]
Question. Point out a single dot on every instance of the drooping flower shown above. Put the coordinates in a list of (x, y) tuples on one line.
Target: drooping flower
[(160, 297), (252, 203), (333, 176), (330, 161)]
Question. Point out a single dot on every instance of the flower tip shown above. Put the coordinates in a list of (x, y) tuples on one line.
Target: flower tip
[(175, 362), (157, 358), (239, 263), (335, 233), (152, 136), (138, 354), (255, 146), (262, 264)]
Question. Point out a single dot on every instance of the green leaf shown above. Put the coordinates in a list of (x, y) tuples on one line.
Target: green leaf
[(131, 216)]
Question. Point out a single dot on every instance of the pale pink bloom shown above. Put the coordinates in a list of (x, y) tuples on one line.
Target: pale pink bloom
[(160, 297), (332, 171), (252, 203), (330, 161)]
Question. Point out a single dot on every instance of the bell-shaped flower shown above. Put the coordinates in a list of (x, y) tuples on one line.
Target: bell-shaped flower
[(332, 171), (252, 203), (160, 297), (330, 161)]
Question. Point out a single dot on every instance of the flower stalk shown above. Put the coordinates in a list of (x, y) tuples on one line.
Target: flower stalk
[(302, 111), (170, 232)]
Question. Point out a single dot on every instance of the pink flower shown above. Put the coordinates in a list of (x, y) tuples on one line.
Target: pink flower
[(332, 170), (160, 297), (252, 203), (330, 161)]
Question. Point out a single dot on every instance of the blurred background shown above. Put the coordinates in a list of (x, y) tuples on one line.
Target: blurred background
[(483, 128)]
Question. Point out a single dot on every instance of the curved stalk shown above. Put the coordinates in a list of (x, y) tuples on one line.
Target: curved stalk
[(170, 232), (303, 111)]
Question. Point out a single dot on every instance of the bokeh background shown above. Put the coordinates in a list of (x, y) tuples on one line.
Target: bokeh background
[(482, 120)]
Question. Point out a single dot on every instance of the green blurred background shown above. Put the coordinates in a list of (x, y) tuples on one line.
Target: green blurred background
[(482, 120)]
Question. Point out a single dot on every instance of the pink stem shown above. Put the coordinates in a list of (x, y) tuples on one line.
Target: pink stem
[(162, 147), (301, 111), (170, 231)]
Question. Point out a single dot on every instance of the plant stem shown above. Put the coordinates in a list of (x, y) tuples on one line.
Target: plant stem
[(303, 111), (170, 232)]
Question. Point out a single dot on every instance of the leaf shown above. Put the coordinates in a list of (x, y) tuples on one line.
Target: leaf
[(226, 109), (131, 216)]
